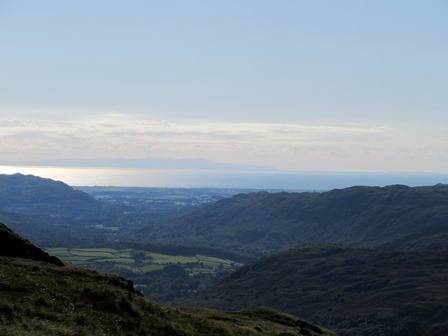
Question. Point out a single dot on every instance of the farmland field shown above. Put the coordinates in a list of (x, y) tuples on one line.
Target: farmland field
[(137, 261), (158, 275)]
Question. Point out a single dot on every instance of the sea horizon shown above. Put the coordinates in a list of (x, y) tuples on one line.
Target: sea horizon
[(205, 178)]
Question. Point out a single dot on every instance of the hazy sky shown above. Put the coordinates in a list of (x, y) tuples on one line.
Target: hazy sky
[(296, 84)]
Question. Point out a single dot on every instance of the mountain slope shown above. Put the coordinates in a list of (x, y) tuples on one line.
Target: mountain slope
[(353, 291), (50, 212), (40, 208), (12, 245), (436, 243), (38, 297), (356, 216), (36, 191)]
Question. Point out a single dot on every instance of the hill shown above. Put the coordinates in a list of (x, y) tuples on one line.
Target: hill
[(40, 208), (39, 192), (353, 291), (357, 216), (40, 296), (51, 213), (92, 233)]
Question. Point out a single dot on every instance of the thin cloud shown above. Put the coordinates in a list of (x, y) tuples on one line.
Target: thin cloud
[(13, 123), (288, 146)]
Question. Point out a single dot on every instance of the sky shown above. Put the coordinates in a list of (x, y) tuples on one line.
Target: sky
[(294, 84)]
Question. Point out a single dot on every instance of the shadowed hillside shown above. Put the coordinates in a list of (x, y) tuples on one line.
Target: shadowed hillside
[(356, 216), (437, 242), (43, 209), (52, 213), (353, 291), (37, 191), (12, 245), (38, 297)]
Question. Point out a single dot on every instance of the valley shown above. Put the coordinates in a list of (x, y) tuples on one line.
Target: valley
[(140, 261), (162, 277), (39, 295), (260, 223), (369, 260), (223, 168)]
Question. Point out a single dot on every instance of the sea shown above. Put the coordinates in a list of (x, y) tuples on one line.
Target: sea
[(212, 178)]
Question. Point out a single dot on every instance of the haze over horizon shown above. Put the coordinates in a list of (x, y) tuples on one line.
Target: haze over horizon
[(296, 85)]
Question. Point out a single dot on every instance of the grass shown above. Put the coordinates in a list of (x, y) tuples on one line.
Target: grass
[(38, 298)]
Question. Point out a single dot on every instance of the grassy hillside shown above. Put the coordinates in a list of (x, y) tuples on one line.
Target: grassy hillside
[(40, 297), (55, 300), (352, 291), (356, 216), (437, 242)]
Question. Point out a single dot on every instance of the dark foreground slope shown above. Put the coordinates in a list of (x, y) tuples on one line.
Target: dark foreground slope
[(38, 297), (12, 245), (352, 291), (356, 216)]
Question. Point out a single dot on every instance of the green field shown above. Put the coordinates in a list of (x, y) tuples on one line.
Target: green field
[(137, 261)]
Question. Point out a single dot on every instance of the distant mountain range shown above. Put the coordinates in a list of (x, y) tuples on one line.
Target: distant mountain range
[(394, 285), (253, 224), (353, 291), (262, 222)]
